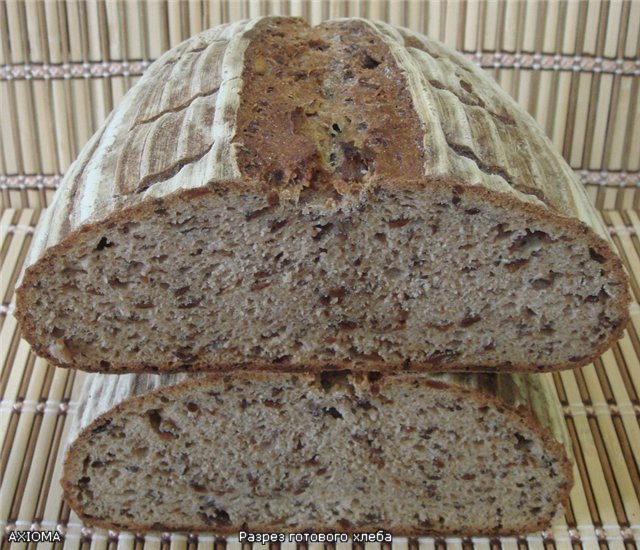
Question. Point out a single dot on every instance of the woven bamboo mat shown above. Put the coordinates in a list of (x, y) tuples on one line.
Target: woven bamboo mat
[(574, 65), (601, 404)]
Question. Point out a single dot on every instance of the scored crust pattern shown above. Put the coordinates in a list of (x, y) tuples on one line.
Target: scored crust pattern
[(161, 138)]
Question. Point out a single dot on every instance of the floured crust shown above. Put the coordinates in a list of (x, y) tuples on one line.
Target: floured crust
[(524, 400)]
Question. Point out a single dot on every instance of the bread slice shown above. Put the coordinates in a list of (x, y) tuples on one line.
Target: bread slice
[(347, 195), (333, 451)]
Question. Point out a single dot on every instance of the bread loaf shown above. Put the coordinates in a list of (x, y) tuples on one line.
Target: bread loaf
[(333, 451), (351, 194)]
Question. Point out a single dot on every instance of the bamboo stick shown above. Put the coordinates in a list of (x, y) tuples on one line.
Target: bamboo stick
[(6, 220), (196, 19), (580, 497), (9, 132), (134, 30), (15, 255), (452, 23), (5, 42), (24, 506), (632, 43), (99, 543), (17, 448), (416, 16), (488, 35), (50, 501)]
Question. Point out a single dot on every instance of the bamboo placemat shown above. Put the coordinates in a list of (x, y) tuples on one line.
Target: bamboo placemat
[(601, 404), (574, 65)]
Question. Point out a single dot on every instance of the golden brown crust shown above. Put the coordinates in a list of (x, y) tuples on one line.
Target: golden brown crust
[(493, 391)]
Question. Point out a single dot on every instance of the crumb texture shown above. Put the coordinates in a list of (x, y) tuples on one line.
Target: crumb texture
[(328, 451), (302, 197)]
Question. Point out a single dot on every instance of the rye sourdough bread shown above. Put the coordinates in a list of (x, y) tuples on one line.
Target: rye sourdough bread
[(351, 194), (332, 451)]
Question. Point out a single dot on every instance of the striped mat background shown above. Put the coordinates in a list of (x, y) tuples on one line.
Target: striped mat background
[(574, 65), (601, 404)]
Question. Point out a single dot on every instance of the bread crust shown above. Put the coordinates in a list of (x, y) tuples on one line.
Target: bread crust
[(519, 402)]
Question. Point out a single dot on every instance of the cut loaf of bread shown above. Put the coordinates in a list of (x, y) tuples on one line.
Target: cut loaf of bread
[(351, 194), (332, 451)]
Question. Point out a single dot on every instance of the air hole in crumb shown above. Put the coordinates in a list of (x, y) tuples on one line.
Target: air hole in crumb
[(192, 407), (104, 243), (400, 222), (470, 320), (328, 379), (197, 487), (381, 237), (523, 443), (595, 256), (222, 516), (155, 420), (374, 376), (530, 240), (278, 224), (114, 282), (333, 412), (547, 329), (516, 264), (253, 214), (501, 233), (357, 162), (542, 283), (321, 230), (369, 62), (101, 428), (140, 452)]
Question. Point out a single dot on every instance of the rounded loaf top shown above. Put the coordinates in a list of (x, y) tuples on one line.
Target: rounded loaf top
[(276, 195), (348, 101)]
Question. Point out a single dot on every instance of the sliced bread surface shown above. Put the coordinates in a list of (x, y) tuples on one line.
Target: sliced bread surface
[(332, 451), (353, 194)]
